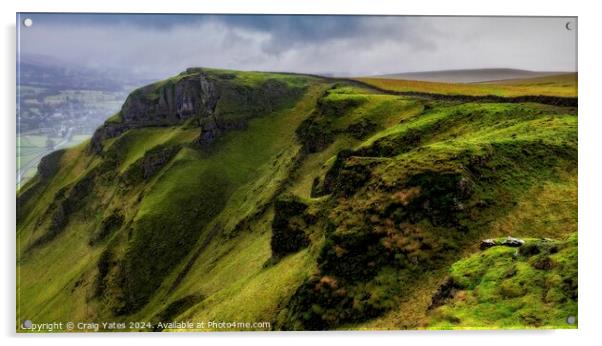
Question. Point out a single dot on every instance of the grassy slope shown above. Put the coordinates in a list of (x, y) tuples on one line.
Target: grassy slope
[(227, 266), (217, 273), (252, 164), (561, 85), (41, 277), (544, 205), (507, 288), (525, 148)]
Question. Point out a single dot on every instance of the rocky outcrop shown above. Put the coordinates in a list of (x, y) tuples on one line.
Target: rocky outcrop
[(487, 243), (213, 101), (171, 101), (508, 241), (512, 242), (161, 104)]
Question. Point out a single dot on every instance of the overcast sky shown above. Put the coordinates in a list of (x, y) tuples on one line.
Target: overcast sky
[(157, 46)]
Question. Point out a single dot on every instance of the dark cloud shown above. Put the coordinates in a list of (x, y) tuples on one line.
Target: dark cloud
[(160, 45)]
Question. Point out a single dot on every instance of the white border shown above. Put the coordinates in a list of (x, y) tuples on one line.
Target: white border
[(590, 192)]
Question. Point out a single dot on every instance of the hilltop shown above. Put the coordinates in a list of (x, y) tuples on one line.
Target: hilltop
[(307, 202)]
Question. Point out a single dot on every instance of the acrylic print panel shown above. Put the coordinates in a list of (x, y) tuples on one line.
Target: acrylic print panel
[(272, 172)]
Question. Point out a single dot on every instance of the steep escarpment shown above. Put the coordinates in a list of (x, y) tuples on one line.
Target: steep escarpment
[(306, 202), (155, 181), (214, 101), (172, 101)]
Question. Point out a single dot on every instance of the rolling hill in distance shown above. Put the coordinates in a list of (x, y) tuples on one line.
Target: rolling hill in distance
[(312, 203), (471, 75), (560, 85)]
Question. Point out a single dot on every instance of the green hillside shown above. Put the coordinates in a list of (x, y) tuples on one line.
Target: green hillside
[(308, 203)]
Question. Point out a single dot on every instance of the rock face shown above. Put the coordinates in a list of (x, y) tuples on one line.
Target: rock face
[(487, 243), (213, 101), (513, 242), (508, 241), (170, 102), (162, 104)]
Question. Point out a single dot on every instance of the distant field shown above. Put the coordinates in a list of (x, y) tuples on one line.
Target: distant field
[(564, 85), (469, 75)]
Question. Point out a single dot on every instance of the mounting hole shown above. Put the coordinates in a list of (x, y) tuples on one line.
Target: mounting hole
[(27, 22)]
